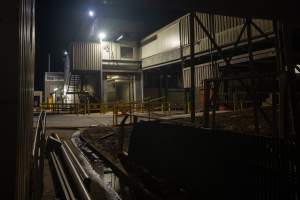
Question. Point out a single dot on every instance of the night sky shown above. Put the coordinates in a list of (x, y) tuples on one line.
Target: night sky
[(59, 22)]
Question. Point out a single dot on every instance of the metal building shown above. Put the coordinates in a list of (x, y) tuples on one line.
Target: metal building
[(171, 46), (54, 85), (99, 71)]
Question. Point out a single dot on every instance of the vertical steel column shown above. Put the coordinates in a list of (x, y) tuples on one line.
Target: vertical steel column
[(192, 63), (166, 86), (206, 104), (275, 80), (213, 64), (182, 68), (250, 54), (282, 80), (142, 85)]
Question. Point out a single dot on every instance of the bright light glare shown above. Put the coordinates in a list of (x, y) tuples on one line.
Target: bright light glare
[(55, 89), (65, 53), (91, 13), (101, 36)]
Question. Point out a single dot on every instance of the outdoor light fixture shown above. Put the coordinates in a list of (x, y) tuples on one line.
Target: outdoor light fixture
[(115, 77), (91, 13), (120, 38), (101, 36), (55, 89), (65, 53)]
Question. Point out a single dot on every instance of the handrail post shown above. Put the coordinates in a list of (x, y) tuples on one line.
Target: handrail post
[(130, 111), (149, 114)]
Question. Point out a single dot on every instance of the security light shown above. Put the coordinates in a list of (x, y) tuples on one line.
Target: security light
[(91, 13), (101, 36)]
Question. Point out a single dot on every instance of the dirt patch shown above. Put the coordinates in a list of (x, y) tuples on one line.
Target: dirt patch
[(106, 138)]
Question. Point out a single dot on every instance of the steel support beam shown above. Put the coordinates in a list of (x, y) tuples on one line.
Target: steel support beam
[(254, 84), (206, 104), (192, 54)]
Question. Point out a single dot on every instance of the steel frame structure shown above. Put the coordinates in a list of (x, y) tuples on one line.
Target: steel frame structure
[(283, 80)]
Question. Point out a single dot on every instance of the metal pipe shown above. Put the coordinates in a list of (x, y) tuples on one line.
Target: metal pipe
[(83, 175), (67, 191), (75, 176)]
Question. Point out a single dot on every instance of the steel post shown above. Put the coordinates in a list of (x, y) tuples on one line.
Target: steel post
[(192, 55)]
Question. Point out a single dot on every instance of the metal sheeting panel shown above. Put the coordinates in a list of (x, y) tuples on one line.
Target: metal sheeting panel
[(164, 57), (86, 56), (166, 39), (202, 72), (17, 62), (227, 30)]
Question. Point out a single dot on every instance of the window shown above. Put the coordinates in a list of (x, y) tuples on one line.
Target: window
[(126, 52)]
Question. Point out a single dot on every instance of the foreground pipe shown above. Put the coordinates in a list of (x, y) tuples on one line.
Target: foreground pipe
[(65, 186), (82, 173), (75, 176)]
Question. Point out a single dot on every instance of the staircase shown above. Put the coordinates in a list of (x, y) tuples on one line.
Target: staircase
[(74, 86)]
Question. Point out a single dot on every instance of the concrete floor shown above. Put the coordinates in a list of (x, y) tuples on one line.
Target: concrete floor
[(65, 126), (77, 121)]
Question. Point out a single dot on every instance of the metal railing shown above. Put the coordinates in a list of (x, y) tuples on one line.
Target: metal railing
[(37, 156)]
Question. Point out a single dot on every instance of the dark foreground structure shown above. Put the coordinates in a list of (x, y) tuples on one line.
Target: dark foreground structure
[(17, 38)]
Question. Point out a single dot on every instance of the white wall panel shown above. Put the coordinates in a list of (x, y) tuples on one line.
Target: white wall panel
[(167, 39)]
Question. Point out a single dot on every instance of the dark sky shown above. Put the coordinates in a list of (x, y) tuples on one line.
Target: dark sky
[(59, 22)]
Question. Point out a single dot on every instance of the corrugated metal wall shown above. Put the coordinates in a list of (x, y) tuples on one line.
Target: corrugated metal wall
[(86, 56), (166, 39), (25, 100), (202, 72), (227, 30), (17, 50)]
